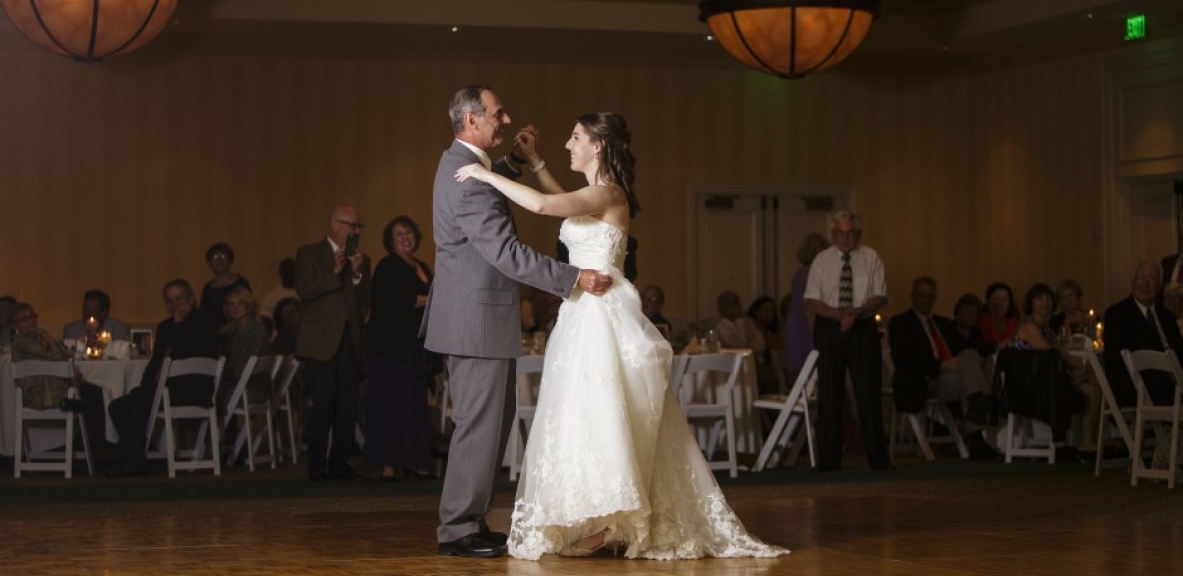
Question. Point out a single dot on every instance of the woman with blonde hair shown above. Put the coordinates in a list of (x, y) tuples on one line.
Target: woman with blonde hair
[(242, 336)]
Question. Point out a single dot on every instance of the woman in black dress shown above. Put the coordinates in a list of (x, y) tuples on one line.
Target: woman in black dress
[(398, 424)]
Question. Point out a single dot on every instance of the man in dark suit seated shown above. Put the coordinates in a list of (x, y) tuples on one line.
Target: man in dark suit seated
[(925, 365), (1138, 323), (182, 335)]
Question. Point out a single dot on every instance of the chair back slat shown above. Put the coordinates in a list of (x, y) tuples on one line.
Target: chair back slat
[(56, 368), (1137, 361)]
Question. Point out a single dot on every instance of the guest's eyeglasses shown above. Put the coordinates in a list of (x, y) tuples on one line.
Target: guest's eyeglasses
[(353, 225), (23, 318)]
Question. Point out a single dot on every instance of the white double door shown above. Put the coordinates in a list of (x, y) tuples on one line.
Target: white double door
[(745, 240)]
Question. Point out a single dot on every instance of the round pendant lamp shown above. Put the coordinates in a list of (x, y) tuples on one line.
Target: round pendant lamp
[(89, 30), (789, 38)]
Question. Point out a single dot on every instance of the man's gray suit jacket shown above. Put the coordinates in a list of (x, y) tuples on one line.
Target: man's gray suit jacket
[(472, 309)]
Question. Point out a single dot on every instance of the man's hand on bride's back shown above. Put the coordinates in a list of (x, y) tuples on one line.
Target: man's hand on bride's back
[(594, 283)]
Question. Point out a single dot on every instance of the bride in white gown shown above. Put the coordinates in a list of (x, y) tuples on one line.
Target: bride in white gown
[(610, 458)]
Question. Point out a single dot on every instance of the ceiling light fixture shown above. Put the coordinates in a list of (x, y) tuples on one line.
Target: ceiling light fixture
[(789, 38), (91, 30)]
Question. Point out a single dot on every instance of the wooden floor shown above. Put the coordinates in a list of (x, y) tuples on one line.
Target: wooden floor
[(948, 517)]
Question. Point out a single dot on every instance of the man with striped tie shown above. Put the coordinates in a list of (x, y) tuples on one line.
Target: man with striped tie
[(845, 288)]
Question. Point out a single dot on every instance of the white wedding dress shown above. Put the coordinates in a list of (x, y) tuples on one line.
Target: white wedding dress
[(610, 448)]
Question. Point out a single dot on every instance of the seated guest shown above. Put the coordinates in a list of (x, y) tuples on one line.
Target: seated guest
[(286, 288), (1070, 317), (735, 329), (184, 334), (241, 337), (1172, 299), (29, 342), (652, 301), (219, 258), (1000, 320), (925, 365), (1035, 333), (1136, 323), (763, 314), (287, 326), (967, 334), (96, 304)]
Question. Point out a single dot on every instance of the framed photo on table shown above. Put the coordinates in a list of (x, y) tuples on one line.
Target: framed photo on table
[(142, 340)]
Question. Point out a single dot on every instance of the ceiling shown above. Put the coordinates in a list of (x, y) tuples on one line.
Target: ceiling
[(919, 35)]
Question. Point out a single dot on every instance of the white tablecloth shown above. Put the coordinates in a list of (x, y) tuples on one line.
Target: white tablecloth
[(115, 377)]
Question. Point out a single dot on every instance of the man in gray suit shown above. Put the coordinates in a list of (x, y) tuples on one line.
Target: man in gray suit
[(472, 316)]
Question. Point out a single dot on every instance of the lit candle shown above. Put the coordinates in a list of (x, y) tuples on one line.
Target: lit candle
[(878, 318), (104, 337)]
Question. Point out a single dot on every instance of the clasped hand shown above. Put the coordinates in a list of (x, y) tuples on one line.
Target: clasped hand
[(594, 283)]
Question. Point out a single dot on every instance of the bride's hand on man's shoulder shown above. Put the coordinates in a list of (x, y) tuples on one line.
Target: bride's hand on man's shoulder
[(474, 170)]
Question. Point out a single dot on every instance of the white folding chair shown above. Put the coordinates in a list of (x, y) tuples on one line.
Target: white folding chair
[(523, 417), (239, 406), (920, 424), (1156, 415), (1020, 438), (163, 410), (713, 403), (792, 411), (1114, 419), (24, 455), (285, 408)]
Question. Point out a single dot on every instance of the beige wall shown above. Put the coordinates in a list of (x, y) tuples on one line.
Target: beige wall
[(120, 174)]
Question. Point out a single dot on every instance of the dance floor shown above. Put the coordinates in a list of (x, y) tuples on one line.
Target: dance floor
[(948, 517)]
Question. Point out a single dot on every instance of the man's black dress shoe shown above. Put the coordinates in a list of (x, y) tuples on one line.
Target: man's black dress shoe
[(499, 538), (474, 545), (318, 477)]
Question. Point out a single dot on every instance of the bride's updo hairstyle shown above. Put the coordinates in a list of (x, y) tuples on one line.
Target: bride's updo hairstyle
[(616, 157)]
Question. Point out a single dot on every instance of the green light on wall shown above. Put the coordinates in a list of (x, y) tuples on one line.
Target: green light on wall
[(1135, 27)]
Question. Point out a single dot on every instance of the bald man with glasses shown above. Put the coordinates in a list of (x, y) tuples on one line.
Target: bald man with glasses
[(333, 281)]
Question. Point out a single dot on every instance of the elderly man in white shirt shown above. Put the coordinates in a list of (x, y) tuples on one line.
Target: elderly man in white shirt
[(844, 290)]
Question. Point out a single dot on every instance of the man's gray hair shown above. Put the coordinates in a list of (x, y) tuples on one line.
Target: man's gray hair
[(846, 216), (466, 99)]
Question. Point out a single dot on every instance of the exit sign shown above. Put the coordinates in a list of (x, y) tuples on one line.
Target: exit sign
[(1135, 27)]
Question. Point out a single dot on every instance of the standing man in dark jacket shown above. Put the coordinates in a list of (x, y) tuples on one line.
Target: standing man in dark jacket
[(333, 281)]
